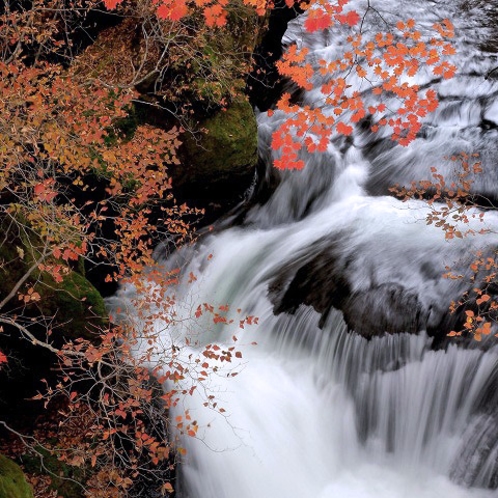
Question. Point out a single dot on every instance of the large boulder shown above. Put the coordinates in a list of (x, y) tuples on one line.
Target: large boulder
[(73, 304), (196, 81), (225, 152), (63, 311)]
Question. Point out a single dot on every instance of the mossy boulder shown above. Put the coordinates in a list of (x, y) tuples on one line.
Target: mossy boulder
[(74, 303), (65, 479), (61, 312), (191, 67), (225, 149), (195, 79), (13, 484)]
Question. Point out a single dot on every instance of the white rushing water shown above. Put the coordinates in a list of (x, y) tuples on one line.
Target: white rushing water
[(316, 411)]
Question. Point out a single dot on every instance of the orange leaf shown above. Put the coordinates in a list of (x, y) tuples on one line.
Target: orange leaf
[(351, 18), (111, 4), (317, 20), (344, 129), (361, 71), (168, 487), (172, 10), (215, 15)]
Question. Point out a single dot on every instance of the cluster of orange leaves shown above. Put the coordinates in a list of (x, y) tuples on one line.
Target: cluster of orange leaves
[(387, 64), (214, 11), (60, 131), (452, 209), (483, 308), (451, 202)]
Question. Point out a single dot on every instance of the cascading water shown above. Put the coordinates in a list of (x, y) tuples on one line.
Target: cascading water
[(316, 411)]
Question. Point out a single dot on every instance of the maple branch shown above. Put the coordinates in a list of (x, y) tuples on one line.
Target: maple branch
[(24, 331), (34, 444), (22, 280), (369, 7)]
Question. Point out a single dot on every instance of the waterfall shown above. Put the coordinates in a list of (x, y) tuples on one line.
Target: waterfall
[(325, 406)]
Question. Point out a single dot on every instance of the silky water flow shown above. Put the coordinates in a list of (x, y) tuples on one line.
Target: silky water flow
[(315, 410)]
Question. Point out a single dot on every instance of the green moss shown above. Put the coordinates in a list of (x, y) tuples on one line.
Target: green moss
[(11, 267), (75, 302), (227, 147), (13, 484), (65, 478), (124, 127)]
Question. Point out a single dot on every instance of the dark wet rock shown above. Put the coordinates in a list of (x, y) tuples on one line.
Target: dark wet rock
[(326, 277)]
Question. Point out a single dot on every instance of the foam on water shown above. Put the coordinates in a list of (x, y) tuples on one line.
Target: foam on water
[(316, 411)]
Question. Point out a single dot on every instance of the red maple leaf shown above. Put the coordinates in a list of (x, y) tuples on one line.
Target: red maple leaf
[(111, 4), (344, 129), (172, 10), (317, 20), (351, 18)]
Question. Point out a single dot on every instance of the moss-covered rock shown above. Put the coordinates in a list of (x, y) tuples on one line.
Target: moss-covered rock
[(191, 66), (194, 79), (65, 479), (13, 484), (226, 148), (74, 302), (61, 312)]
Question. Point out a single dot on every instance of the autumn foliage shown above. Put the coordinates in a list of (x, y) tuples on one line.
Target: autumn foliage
[(77, 190), (385, 64), (84, 183), (452, 208)]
